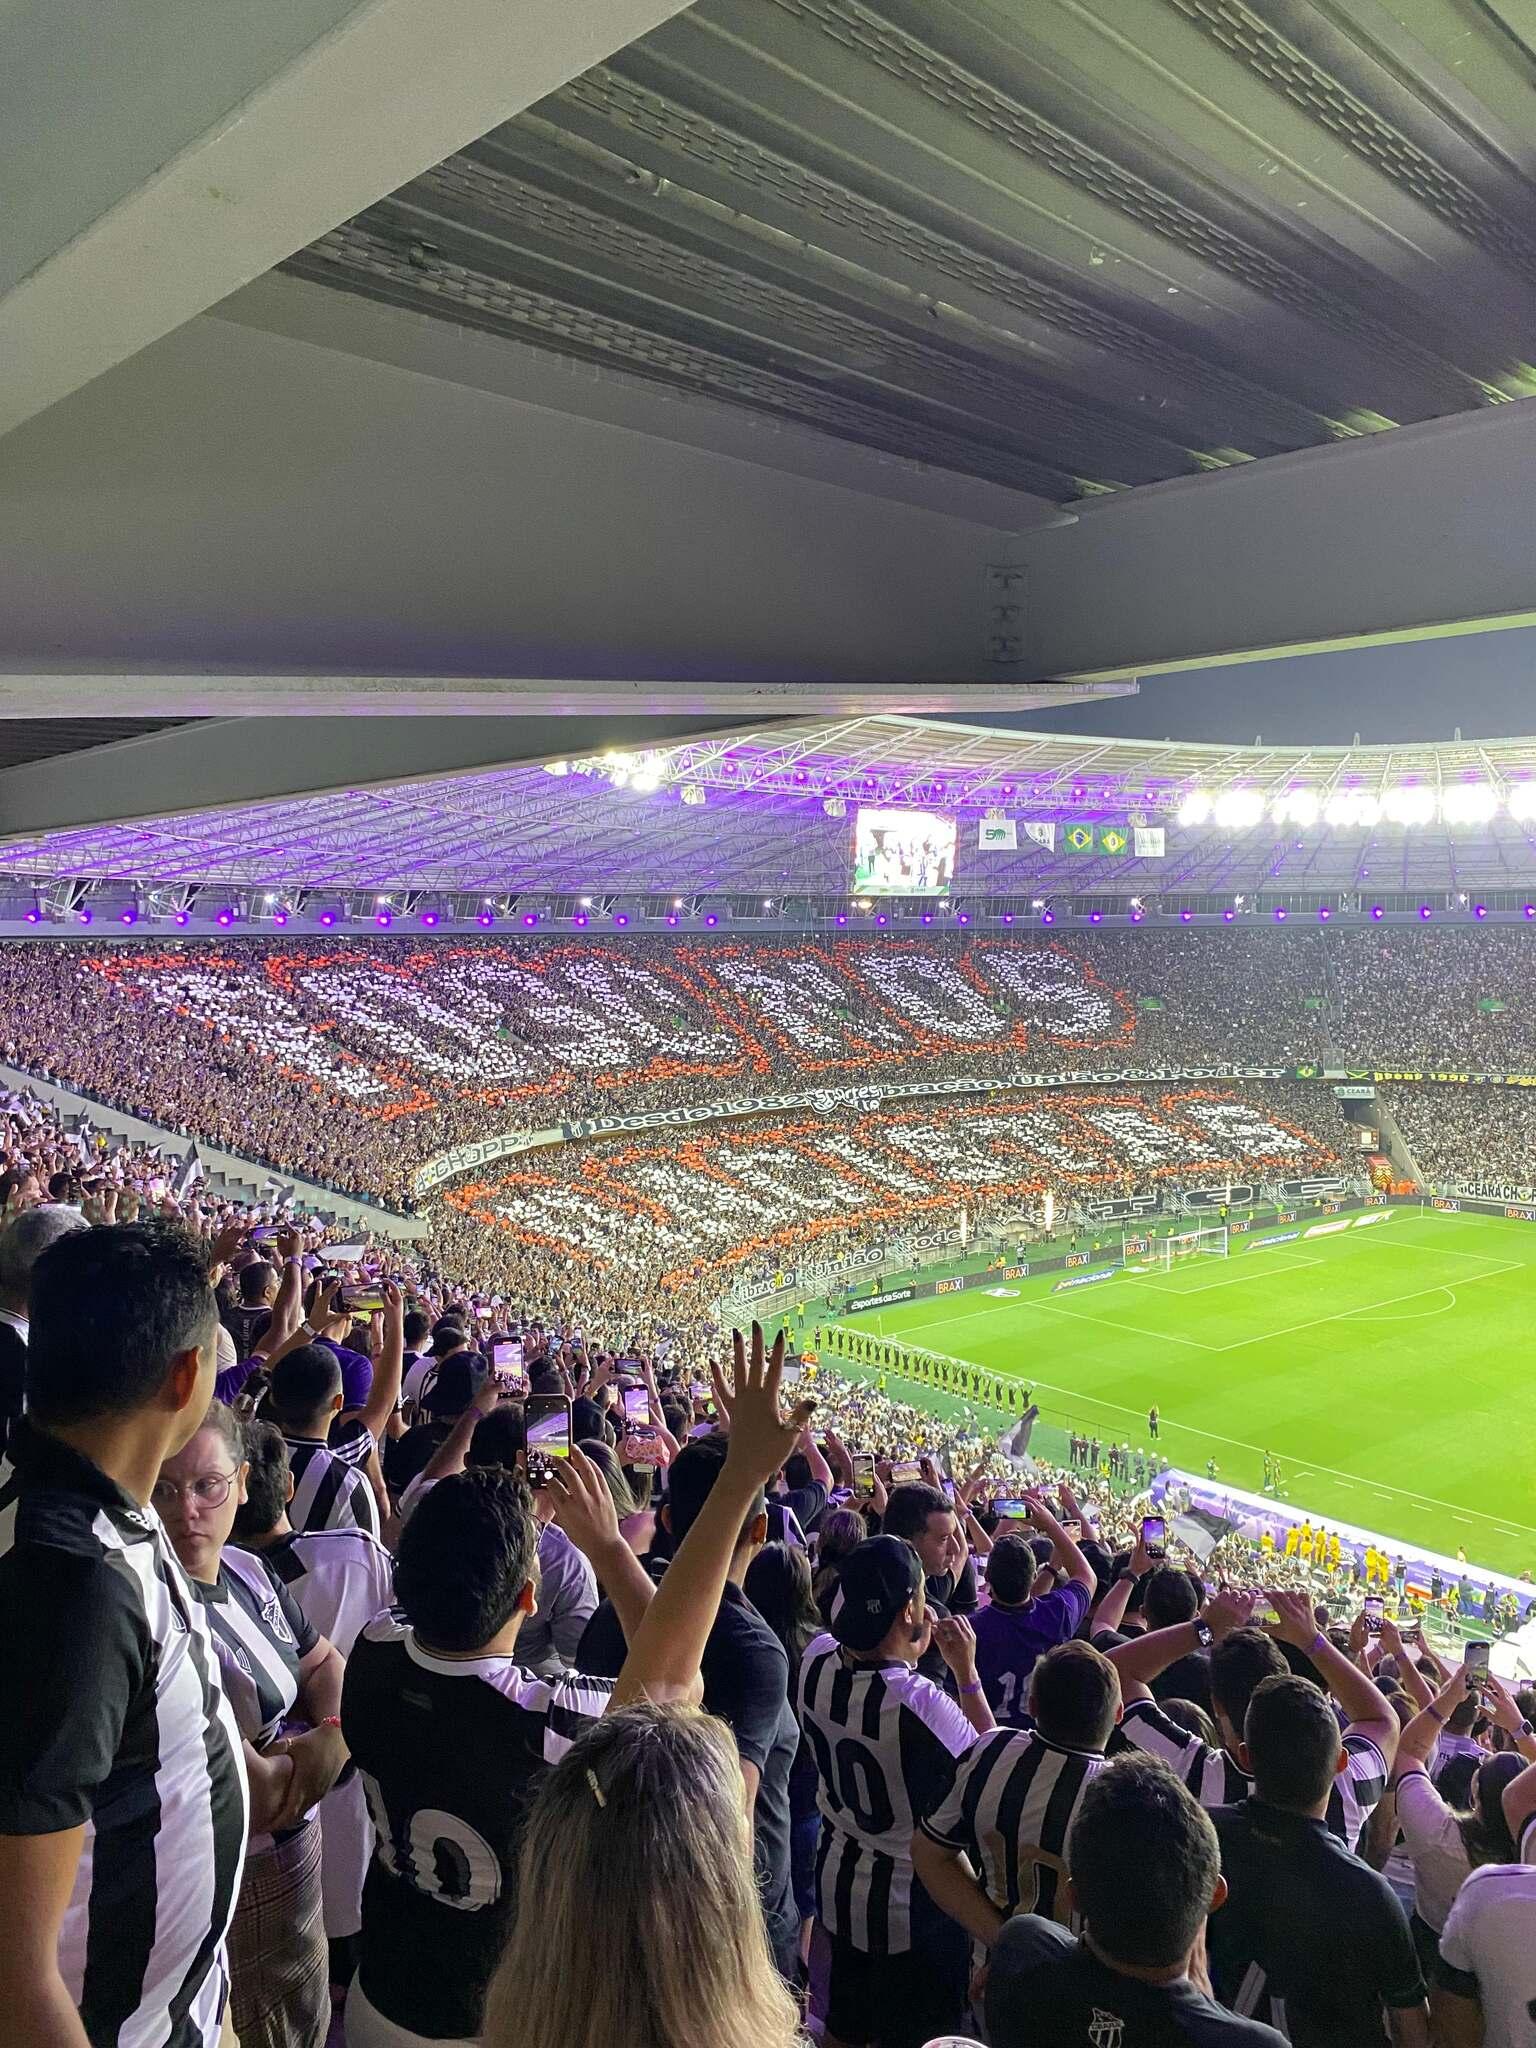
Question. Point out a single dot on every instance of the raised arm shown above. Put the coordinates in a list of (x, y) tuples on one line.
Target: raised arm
[(1063, 1549), (1147, 1657), (821, 1471), (1365, 1707), (384, 1392), (664, 1657)]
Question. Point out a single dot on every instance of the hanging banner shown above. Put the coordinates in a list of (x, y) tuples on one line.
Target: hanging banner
[(1041, 832), (998, 835), (1151, 842)]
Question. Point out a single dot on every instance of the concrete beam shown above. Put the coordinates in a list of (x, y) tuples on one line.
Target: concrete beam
[(1418, 533), (156, 156)]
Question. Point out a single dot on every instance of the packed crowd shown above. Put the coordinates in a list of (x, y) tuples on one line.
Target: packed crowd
[(657, 1211), (469, 1678), (1460, 1136), (1434, 998), (409, 1047)]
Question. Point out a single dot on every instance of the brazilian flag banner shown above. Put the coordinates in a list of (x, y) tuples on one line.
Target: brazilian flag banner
[(1085, 838)]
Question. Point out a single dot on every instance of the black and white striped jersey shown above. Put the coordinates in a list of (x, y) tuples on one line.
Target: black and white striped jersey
[(1015, 1792), (261, 1637), (330, 1489), (114, 1719), (451, 1751), (885, 1740), (1217, 1779)]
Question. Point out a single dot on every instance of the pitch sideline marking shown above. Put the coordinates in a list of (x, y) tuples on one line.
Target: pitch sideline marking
[(1343, 1314)]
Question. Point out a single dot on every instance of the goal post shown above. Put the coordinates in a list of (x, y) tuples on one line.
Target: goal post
[(1162, 1254)]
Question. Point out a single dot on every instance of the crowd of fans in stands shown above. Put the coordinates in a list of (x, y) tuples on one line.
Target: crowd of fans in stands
[(718, 1725), (1460, 1135)]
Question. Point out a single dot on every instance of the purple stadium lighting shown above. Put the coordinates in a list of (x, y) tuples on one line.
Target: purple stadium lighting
[(1047, 917), (1280, 914), (1186, 917), (882, 918), (128, 916), (673, 918), (183, 917), (34, 916), (384, 920), (327, 918), (226, 917), (1530, 910), (429, 918), (842, 917), (1227, 916), (1095, 917), (1377, 912), (530, 919), (621, 917), (580, 918), (712, 920), (964, 917), (1323, 913), (1480, 910), (485, 919), (84, 914), (280, 917), (1136, 916), (1007, 917), (927, 917), (1424, 911)]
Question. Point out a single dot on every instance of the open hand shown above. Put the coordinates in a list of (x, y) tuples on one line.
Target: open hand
[(581, 1504), (761, 1438)]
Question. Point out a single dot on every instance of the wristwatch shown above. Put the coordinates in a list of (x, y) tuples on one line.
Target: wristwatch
[(1525, 1728), (1203, 1633)]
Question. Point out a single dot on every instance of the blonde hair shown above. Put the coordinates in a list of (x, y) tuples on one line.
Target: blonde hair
[(638, 1917)]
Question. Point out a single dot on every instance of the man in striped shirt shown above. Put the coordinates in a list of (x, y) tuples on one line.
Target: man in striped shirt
[(330, 1488), (123, 1799), (1242, 1657), (996, 1844), (886, 1741)]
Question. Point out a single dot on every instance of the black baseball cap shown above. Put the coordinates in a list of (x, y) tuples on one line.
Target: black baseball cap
[(876, 1581)]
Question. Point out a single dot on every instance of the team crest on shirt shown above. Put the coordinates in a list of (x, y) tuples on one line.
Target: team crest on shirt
[(272, 1615), (1105, 2030)]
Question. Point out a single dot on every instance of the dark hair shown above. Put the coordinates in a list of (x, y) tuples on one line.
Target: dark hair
[(1074, 1695), (692, 1480), (498, 1437), (1463, 1714), (908, 1509), (111, 1307), (797, 1470), (417, 1326), (447, 1336), (778, 1583), (1144, 1860), (1293, 1742), (266, 1483), (1484, 1831), (1240, 1663), (304, 1384), (465, 1556), (606, 1459), (1011, 1569), (839, 1532), (252, 1283), (1169, 1596), (1191, 1716)]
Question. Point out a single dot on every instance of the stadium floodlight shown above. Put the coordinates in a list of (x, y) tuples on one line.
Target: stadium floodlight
[(1239, 810), (1352, 808), (1467, 803), (1196, 808), (1377, 912), (1530, 910), (1425, 912), (1480, 910), (1047, 917), (1411, 803), (1520, 801), (1323, 913), (1296, 807), (1279, 913), (1227, 916)]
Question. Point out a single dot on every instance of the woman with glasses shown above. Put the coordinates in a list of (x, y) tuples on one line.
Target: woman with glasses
[(284, 1682)]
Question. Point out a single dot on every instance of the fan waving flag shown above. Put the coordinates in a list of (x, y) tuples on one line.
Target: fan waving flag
[(189, 1176)]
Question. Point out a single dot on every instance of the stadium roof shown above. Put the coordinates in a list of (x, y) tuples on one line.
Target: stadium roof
[(712, 349), (769, 809)]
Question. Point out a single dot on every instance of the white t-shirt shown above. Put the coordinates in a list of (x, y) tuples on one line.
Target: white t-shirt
[(1433, 1836), (1489, 1936)]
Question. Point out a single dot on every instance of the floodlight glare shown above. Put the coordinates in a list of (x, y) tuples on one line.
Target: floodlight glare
[(1409, 804), (1196, 808), (1296, 807), (1467, 803), (1520, 801), (1239, 810), (1352, 808)]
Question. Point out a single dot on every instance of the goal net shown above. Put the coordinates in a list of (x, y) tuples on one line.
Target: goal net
[(1164, 1253)]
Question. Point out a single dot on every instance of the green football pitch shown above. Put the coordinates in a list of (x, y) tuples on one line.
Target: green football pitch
[(1385, 1367)]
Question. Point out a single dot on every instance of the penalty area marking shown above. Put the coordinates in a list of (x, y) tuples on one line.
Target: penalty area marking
[(1361, 1316)]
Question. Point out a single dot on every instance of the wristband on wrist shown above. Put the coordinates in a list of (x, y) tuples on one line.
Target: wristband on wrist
[(1318, 1642), (1435, 1714), (975, 1686), (330, 1721)]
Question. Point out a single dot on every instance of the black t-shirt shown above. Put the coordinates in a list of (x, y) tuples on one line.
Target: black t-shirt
[(406, 1457), (1047, 1990), (1308, 1927), (1187, 1678), (451, 1751), (746, 1682), (807, 1503)]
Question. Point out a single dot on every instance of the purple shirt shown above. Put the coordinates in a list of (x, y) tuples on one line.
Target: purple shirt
[(356, 1373), (1011, 1640)]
